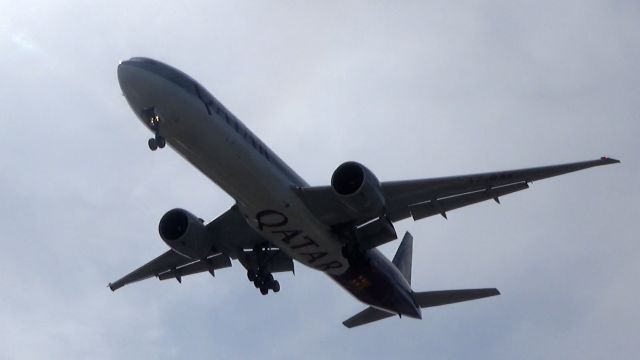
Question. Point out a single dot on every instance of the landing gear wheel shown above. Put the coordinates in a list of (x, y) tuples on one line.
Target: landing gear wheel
[(264, 290), (153, 145), (160, 141), (275, 286), (268, 279), (257, 283)]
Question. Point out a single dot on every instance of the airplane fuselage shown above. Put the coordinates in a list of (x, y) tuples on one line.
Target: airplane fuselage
[(207, 135)]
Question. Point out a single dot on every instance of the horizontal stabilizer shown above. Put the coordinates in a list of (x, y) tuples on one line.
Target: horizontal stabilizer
[(443, 297), (423, 299), (366, 316)]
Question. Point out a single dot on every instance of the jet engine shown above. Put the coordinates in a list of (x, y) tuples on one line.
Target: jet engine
[(185, 234), (358, 189)]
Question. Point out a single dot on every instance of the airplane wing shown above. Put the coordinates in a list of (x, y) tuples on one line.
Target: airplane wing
[(172, 265), (422, 198), (236, 237), (427, 197)]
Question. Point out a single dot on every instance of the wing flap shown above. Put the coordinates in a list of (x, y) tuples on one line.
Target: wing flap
[(168, 260), (210, 264), (443, 205)]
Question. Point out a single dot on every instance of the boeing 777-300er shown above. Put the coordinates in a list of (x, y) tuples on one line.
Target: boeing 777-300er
[(277, 217)]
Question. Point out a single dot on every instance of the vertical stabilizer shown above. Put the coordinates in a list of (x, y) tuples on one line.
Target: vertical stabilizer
[(404, 256)]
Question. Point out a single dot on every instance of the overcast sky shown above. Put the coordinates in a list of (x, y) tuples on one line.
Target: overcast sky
[(422, 89)]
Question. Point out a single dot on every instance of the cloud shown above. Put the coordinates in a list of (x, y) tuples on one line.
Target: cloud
[(413, 90), (22, 41)]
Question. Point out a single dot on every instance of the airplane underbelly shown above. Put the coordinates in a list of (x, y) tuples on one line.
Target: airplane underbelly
[(215, 152), (263, 193), (308, 243)]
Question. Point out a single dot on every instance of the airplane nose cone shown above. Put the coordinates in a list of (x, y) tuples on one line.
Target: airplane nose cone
[(137, 84), (121, 66), (124, 76), (136, 74), (145, 75)]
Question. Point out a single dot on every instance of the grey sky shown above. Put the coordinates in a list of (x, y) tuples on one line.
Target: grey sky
[(421, 89)]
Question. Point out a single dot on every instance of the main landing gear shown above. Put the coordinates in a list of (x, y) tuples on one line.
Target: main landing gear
[(154, 123), (263, 281)]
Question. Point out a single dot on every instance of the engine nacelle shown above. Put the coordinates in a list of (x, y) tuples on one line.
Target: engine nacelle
[(185, 234), (358, 189)]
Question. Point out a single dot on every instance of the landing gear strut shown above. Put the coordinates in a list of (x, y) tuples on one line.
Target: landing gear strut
[(154, 123), (263, 281)]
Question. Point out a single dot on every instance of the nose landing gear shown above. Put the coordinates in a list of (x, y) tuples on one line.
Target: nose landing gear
[(154, 123), (156, 142)]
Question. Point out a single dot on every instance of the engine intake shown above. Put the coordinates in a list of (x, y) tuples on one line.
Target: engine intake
[(348, 178), (173, 224), (358, 189), (185, 233)]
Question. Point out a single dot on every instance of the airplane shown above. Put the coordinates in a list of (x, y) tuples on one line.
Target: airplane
[(277, 217)]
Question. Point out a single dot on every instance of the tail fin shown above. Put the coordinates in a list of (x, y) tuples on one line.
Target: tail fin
[(402, 260), (404, 256), (443, 297)]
